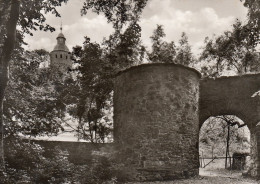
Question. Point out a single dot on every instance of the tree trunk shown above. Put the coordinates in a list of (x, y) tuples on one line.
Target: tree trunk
[(5, 58), (79, 127), (227, 148)]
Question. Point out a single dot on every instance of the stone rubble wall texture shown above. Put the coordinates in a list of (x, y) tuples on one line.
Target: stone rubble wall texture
[(234, 96), (231, 96), (256, 153), (253, 167), (79, 153), (158, 110), (156, 121)]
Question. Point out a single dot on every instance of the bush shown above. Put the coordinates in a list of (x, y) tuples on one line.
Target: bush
[(25, 163), (98, 173)]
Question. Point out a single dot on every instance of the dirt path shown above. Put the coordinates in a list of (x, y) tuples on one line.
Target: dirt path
[(213, 174), (206, 180)]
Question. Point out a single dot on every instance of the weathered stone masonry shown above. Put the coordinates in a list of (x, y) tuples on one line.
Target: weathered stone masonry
[(231, 96), (156, 120), (159, 109), (234, 96)]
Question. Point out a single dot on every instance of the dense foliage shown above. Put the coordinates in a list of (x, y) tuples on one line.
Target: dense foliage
[(253, 24), (164, 52), (41, 169), (119, 12), (94, 86), (96, 66), (35, 101), (232, 51)]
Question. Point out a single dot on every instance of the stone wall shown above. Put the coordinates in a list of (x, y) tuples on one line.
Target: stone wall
[(158, 110), (79, 152), (231, 96), (254, 169), (60, 60), (156, 125), (234, 96)]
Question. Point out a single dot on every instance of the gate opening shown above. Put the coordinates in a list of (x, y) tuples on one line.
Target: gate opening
[(224, 146)]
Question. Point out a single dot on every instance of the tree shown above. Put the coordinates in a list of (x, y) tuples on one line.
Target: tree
[(123, 50), (235, 50), (211, 137), (184, 55), (36, 98), (129, 49), (119, 12), (97, 64), (7, 40), (162, 52), (231, 51), (28, 15), (253, 24), (94, 89), (230, 121), (221, 135)]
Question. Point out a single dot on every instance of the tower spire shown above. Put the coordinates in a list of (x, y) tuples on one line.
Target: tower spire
[(61, 26)]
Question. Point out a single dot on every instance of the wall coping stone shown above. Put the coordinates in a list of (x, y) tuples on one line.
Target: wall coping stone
[(231, 77), (158, 64)]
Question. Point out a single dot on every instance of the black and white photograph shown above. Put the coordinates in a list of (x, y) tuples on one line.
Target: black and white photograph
[(129, 91)]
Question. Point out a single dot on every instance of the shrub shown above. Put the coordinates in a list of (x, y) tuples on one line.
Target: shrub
[(25, 163)]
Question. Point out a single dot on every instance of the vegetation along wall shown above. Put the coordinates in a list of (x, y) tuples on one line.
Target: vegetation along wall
[(158, 111), (79, 153)]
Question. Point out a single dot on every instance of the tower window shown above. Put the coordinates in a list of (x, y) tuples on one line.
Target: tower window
[(56, 56), (61, 56), (66, 57)]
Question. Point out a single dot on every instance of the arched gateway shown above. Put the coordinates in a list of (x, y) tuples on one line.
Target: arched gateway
[(159, 109)]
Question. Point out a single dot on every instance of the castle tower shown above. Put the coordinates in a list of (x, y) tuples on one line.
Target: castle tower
[(60, 56)]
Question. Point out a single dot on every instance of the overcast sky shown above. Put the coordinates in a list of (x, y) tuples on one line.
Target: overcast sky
[(198, 18)]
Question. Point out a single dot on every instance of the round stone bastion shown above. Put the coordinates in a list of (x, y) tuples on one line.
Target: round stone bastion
[(156, 121)]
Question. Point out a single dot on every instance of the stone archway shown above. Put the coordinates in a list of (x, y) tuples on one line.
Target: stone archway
[(159, 108), (231, 95), (213, 145), (234, 95)]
